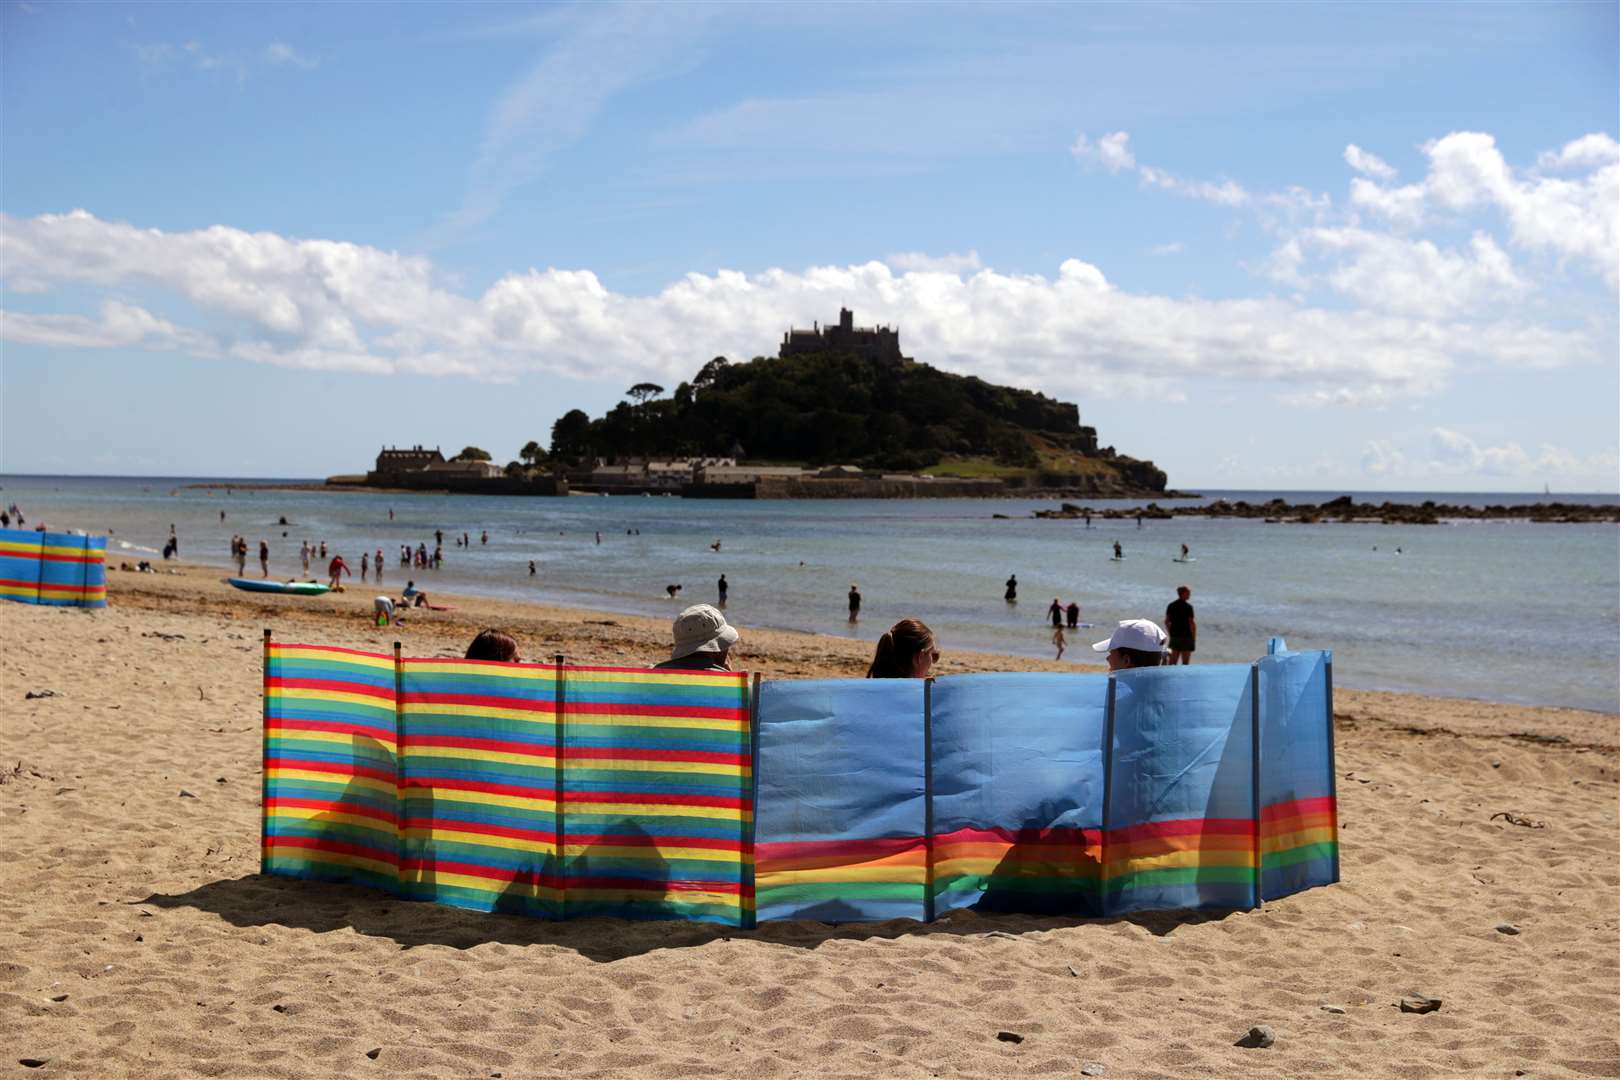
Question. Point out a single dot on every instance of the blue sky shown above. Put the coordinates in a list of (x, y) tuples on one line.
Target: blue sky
[(1316, 246)]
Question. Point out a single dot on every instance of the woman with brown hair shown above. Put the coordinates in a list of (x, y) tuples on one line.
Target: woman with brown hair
[(495, 645), (905, 651)]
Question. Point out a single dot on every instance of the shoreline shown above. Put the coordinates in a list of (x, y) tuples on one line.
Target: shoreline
[(621, 637)]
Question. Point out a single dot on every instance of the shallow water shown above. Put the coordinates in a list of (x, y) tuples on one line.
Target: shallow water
[(1493, 610)]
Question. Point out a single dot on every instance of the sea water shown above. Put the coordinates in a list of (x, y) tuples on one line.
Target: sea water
[(1502, 611)]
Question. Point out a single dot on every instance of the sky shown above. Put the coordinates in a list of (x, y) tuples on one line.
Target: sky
[(1363, 247)]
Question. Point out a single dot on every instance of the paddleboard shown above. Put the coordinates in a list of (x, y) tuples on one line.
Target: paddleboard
[(1184, 560), (291, 588), (1117, 558)]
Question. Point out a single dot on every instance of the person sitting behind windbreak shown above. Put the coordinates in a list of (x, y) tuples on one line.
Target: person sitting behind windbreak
[(1135, 643), (702, 641)]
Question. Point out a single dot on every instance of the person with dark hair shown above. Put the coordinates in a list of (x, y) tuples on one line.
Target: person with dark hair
[(854, 601), (1073, 613), (1135, 643), (1178, 618), (496, 645), (1055, 613), (722, 588), (905, 651), (702, 641), (1011, 593)]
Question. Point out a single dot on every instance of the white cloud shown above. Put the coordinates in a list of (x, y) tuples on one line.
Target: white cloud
[(1225, 193), (1569, 218), (1174, 247), (1112, 151), (1371, 164), (329, 305), (1452, 454), (1588, 151), (278, 52), (1402, 206), (605, 50), (951, 263), (1414, 277)]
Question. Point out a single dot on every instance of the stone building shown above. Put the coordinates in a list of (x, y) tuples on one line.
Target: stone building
[(867, 342), (393, 462)]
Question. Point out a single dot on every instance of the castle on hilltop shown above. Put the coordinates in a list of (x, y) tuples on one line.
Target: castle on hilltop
[(867, 342)]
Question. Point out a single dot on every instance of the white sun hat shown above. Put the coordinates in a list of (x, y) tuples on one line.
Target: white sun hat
[(1143, 635), (701, 628)]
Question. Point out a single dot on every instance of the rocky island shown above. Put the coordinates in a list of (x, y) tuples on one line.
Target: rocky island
[(839, 412), (1344, 509)]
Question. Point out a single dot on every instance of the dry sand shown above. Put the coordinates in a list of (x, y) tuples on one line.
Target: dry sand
[(137, 940)]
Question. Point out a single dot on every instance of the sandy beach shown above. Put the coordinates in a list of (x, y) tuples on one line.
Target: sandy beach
[(1480, 850)]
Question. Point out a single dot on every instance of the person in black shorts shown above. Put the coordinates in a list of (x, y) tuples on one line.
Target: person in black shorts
[(1178, 619), (854, 602), (1055, 613)]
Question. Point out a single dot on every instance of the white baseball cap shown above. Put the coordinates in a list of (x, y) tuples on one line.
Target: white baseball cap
[(701, 628), (1140, 634)]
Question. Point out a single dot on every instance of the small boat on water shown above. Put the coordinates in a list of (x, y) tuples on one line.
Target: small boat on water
[(292, 588)]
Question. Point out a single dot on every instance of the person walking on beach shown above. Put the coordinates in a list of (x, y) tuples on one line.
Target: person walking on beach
[(1059, 640), (1055, 612), (1178, 618), (1135, 643), (1011, 595), (1074, 615), (722, 588), (365, 564), (264, 558), (906, 650), (854, 601), (337, 568), (702, 641)]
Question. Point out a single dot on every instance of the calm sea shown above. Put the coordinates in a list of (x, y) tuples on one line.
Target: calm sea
[(1499, 611)]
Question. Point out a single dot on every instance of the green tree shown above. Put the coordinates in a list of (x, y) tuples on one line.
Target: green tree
[(472, 453), (709, 373), (643, 392), (532, 454), (570, 435)]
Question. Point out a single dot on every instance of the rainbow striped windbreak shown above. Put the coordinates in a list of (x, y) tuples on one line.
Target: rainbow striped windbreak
[(442, 780), (564, 791), (58, 569)]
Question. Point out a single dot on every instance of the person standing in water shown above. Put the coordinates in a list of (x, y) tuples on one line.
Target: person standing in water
[(531, 568), (854, 601), (264, 558), (1055, 612), (1178, 619), (1119, 552), (722, 588), (1074, 615), (365, 564), (379, 561), (1011, 595)]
